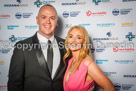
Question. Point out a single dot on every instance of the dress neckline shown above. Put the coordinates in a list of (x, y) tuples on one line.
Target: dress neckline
[(72, 72)]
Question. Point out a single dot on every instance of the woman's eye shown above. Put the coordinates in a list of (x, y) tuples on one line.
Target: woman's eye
[(70, 36), (79, 37)]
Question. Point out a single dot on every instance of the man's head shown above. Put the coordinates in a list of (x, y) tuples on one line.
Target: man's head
[(47, 20)]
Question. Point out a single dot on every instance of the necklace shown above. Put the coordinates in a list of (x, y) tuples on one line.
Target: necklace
[(71, 70)]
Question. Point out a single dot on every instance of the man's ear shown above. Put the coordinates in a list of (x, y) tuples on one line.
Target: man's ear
[(37, 20), (57, 23)]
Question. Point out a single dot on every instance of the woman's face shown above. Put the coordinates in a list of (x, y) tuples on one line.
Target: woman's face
[(75, 40)]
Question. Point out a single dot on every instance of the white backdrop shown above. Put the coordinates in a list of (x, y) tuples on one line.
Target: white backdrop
[(111, 25)]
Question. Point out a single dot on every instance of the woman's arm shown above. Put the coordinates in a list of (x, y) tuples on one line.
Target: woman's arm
[(100, 78)]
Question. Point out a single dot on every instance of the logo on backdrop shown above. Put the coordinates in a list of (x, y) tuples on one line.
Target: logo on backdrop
[(14, 39), (19, 1), (127, 87), (130, 36), (127, 24), (16, 5), (11, 27), (5, 50), (102, 1), (128, 0), (67, 26), (19, 15), (77, 2), (105, 24), (1, 62), (117, 86), (5, 16), (108, 34), (124, 61), (129, 76), (117, 49), (110, 74), (100, 61), (116, 11), (66, 14), (38, 3), (31, 27), (90, 13), (84, 24)]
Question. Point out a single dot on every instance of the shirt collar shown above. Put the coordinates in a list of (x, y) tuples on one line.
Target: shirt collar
[(42, 39)]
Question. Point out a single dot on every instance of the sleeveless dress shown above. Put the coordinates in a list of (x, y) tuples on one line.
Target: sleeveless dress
[(77, 80)]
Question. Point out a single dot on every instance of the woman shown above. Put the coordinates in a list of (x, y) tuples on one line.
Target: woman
[(82, 71)]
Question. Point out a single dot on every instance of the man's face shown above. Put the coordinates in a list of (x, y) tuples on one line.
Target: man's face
[(47, 21)]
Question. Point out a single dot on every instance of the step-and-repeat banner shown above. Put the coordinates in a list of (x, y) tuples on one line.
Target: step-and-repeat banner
[(111, 25)]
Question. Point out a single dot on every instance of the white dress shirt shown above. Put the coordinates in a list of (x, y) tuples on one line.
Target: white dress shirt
[(56, 52)]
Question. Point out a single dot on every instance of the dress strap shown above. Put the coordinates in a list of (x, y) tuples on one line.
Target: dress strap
[(90, 63)]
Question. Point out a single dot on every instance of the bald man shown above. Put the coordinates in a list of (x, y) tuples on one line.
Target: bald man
[(35, 66)]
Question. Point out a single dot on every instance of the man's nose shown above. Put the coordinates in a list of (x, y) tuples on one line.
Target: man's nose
[(48, 20)]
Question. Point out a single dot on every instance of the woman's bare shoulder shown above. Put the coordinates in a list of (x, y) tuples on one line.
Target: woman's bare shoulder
[(87, 60)]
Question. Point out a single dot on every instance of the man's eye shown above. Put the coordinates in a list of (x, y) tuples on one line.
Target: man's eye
[(43, 17), (53, 18)]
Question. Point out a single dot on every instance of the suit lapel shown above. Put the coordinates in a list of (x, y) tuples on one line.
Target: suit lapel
[(40, 56)]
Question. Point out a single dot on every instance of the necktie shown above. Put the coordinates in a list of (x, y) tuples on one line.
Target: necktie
[(50, 56)]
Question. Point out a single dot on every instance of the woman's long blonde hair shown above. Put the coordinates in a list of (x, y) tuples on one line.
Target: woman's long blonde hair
[(85, 49)]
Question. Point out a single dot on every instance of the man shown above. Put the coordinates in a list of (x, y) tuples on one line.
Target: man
[(32, 68)]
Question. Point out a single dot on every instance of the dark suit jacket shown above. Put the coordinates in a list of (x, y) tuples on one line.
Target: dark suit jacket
[(28, 69)]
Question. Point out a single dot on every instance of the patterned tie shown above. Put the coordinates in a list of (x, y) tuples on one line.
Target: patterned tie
[(50, 56)]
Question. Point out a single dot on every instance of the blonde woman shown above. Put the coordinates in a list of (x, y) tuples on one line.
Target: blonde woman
[(82, 71)]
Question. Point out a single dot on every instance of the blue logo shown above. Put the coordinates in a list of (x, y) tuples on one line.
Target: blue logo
[(100, 49), (31, 27), (74, 13), (65, 14), (125, 11), (117, 86), (12, 38), (84, 25), (48, 2), (121, 11), (110, 73), (105, 24), (130, 36), (11, 27), (96, 1), (124, 61), (101, 61), (92, 50), (19, 1), (127, 86), (38, 3), (18, 15), (115, 12), (74, 3), (109, 34), (128, 0), (5, 50)]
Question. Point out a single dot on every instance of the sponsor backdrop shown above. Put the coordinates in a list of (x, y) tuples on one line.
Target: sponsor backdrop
[(111, 25)]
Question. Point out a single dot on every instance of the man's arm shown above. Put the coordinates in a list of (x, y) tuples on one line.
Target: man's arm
[(16, 71)]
